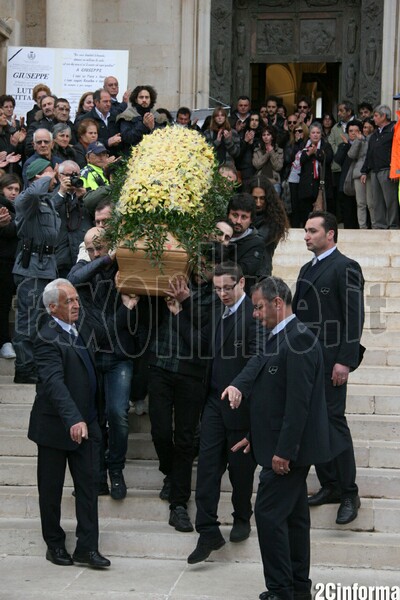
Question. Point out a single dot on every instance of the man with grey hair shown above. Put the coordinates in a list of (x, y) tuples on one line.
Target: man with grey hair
[(289, 431), (43, 148), (64, 425), (377, 162), (75, 218)]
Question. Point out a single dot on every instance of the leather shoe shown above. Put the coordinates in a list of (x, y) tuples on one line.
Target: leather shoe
[(348, 510), (166, 489), (179, 518), (269, 596), (19, 378), (91, 558), (326, 495), (118, 485), (59, 556), (240, 530), (204, 549)]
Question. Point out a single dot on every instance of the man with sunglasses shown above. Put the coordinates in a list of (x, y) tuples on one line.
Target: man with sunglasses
[(304, 110), (43, 148)]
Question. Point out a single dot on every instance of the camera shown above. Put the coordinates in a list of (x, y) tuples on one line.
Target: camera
[(76, 181)]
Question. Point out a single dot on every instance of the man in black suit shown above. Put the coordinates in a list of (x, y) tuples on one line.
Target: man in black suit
[(289, 431), (329, 299), (231, 338), (64, 425)]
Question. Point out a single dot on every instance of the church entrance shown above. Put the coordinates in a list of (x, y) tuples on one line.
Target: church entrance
[(328, 49), (319, 81)]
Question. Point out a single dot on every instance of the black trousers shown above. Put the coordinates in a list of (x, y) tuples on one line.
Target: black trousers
[(175, 403), (341, 471), (283, 527), (84, 467), (215, 456), (7, 292)]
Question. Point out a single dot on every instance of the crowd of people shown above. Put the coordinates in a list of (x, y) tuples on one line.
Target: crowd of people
[(193, 359)]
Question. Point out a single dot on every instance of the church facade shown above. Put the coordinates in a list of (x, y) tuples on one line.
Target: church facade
[(202, 52)]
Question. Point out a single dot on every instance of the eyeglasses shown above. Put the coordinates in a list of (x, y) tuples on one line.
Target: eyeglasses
[(298, 131), (226, 288), (292, 122), (46, 142), (302, 106)]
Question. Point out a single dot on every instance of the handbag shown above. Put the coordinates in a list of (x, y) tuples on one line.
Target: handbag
[(348, 186), (286, 198), (320, 202)]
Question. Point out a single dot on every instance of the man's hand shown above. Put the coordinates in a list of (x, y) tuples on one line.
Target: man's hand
[(178, 289), (244, 443), (126, 95), (234, 396), (340, 374), (79, 432), (65, 184), (173, 305), (240, 125), (148, 120), (130, 300), (249, 137), (363, 179), (280, 466), (114, 140)]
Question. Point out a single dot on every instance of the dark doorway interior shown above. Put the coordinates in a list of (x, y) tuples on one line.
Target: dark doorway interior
[(291, 80)]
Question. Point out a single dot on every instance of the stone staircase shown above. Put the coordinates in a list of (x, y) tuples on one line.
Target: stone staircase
[(138, 526)]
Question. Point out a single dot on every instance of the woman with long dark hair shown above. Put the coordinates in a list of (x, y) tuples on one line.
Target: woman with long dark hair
[(248, 143), (10, 187), (268, 157), (271, 220), (222, 137)]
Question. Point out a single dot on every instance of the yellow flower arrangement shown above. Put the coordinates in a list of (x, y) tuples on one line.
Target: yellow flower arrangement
[(170, 183), (171, 169)]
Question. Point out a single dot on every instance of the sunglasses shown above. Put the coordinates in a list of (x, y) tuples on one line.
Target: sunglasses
[(298, 131), (292, 122)]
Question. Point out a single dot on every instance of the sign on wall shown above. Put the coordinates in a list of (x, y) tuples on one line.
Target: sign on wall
[(66, 71)]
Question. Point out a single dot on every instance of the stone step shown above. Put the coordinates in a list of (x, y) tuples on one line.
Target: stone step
[(144, 474), (375, 375), (164, 579), (368, 258), (378, 454), (363, 426), (381, 338), (7, 367), (379, 515), (135, 538), (354, 236)]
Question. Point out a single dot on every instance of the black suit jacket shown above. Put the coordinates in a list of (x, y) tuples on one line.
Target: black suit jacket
[(331, 304), (242, 338), (63, 392), (287, 399)]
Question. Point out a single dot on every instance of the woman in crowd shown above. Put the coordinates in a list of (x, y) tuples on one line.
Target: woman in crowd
[(268, 157), (315, 160), (271, 220), (347, 193), (328, 122), (10, 187), (222, 137), (85, 105), (293, 149), (11, 144), (248, 143), (62, 136), (87, 133), (363, 191)]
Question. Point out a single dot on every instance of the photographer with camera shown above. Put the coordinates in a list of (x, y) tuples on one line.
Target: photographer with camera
[(75, 219)]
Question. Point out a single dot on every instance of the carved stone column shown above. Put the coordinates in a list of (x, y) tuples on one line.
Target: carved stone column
[(68, 24), (195, 53), (221, 52), (390, 54), (371, 51)]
